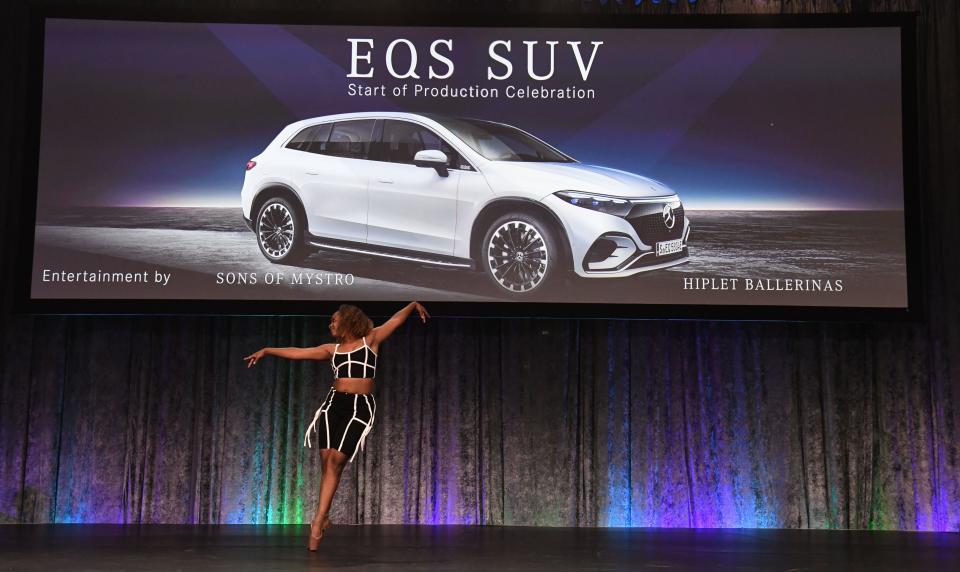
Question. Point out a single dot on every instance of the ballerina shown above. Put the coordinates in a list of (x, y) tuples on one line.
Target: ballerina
[(346, 415)]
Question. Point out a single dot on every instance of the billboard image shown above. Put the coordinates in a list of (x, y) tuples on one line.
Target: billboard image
[(742, 166)]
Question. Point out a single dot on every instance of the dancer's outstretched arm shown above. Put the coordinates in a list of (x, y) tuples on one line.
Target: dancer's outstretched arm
[(384, 330), (320, 352)]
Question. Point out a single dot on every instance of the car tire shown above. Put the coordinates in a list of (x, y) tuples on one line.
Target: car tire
[(522, 255), (279, 230)]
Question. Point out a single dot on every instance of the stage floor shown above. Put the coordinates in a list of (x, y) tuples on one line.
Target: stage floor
[(408, 548)]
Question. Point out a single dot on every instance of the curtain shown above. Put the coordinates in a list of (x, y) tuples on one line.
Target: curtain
[(513, 421)]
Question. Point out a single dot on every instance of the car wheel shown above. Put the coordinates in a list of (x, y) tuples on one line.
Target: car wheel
[(521, 254), (280, 232)]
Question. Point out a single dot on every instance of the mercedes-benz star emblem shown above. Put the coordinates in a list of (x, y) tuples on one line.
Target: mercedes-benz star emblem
[(669, 219)]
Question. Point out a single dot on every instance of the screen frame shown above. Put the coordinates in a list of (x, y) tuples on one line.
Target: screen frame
[(911, 85)]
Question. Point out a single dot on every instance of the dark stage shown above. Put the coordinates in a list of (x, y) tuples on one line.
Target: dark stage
[(398, 547)]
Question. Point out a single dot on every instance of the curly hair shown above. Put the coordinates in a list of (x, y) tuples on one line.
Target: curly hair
[(354, 321)]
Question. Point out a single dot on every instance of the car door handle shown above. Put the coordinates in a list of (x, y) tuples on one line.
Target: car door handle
[(387, 181), (312, 173)]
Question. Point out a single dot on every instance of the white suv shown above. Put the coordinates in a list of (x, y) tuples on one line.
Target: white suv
[(456, 192)]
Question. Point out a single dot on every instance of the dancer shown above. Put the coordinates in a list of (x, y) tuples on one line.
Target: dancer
[(345, 417)]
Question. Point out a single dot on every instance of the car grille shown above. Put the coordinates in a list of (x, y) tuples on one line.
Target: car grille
[(651, 229)]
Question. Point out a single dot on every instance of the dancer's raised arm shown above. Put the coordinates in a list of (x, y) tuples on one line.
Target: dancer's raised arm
[(320, 352), (384, 330)]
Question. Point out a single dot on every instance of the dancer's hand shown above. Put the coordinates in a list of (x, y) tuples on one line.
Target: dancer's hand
[(422, 311), (255, 357)]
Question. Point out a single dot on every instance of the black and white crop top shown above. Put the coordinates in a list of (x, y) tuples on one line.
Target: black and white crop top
[(361, 362)]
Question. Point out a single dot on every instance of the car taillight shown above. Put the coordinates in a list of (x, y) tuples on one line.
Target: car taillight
[(251, 164)]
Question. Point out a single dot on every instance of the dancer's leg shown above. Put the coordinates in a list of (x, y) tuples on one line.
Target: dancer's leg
[(333, 463)]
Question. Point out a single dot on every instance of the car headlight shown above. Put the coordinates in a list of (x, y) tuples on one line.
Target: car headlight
[(609, 205)]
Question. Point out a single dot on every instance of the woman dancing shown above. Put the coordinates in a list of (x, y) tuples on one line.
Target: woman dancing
[(346, 415)]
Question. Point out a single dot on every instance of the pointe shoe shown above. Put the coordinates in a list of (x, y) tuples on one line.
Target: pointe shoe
[(315, 539)]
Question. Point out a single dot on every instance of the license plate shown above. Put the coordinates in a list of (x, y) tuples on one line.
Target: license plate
[(669, 247)]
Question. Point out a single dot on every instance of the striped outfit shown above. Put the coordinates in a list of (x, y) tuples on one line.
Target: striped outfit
[(344, 420)]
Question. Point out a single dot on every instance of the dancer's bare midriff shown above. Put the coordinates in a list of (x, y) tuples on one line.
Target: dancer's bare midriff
[(357, 385)]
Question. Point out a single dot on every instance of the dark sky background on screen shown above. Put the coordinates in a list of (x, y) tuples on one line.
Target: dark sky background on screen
[(167, 114)]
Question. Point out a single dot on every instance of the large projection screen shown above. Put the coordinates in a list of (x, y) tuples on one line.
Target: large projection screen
[(642, 170)]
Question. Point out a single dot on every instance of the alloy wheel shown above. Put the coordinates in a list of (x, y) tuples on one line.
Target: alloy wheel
[(517, 256), (276, 230)]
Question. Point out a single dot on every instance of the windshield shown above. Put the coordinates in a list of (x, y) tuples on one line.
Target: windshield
[(499, 142)]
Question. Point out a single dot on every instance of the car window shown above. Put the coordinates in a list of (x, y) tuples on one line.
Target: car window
[(499, 142), (318, 139), (312, 139), (301, 139), (402, 140), (350, 139)]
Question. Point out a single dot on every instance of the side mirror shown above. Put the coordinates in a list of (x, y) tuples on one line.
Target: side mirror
[(432, 158)]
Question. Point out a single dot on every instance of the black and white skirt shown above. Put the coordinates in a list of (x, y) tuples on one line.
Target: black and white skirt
[(343, 422)]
